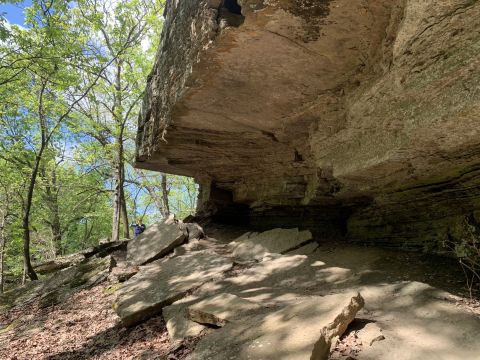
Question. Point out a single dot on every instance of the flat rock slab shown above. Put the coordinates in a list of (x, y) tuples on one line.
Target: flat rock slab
[(220, 309), (163, 282), (305, 249), (297, 332), (155, 242), (254, 246), (179, 326)]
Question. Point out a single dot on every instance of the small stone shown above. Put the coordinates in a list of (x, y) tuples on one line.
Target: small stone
[(378, 338)]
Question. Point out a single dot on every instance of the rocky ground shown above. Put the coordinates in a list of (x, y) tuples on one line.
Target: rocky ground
[(253, 298)]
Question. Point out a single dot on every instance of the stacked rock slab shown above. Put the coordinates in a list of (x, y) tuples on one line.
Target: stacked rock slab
[(179, 327), (162, 282)]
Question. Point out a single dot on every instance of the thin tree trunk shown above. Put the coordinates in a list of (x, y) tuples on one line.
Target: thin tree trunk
[(2, 251), (26, 218), (118, 167), (57, 234), (116, 204), (153, 194), (51, 199), (165, 195), (126, 225), (156, 199)]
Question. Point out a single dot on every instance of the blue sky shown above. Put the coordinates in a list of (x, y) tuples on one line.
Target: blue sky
[(14, 13)]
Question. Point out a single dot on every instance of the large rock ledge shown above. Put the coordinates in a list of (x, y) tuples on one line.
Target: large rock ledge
[(358, 117)]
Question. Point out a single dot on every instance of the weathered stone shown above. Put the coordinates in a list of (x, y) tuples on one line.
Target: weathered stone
[(58, 263), (193, 230), (322, 109), (220, 309), (304, 250), (369, 333), (122, 274), (192, 245), (105, 248), (155, 242), (300, 331), (62, 284), (179, 326), (58, 286), (254, 246), (162, 282)]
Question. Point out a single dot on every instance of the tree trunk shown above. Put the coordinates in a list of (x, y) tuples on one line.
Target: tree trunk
[(51, 198), (126, 225), (153, 194), (116, 203), (156, 199), (165, 195), (28, 268), (2, 250)]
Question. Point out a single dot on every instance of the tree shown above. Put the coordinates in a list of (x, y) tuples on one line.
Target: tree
[(49, 83), (110, 110), (8, 183), (71, 82)]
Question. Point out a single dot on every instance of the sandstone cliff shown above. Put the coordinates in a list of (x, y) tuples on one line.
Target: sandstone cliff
[(352, 118)]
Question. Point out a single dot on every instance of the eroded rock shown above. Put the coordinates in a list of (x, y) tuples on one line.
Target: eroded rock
[(179, 326), (294, 332), (59, 263), (162, 282), (155, 242), (348, 116), (220, 309), (58, 286), (193, 230), (254, 246)]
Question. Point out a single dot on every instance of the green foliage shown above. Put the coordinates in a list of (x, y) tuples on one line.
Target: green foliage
[(465, 244), (71, 84)]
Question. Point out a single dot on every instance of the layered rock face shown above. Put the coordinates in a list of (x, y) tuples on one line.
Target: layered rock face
[(350, 118)]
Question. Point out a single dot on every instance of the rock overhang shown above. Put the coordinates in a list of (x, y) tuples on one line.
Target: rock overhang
[(319, 103)]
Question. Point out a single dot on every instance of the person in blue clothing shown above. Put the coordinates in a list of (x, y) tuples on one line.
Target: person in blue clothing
[(139, 227)]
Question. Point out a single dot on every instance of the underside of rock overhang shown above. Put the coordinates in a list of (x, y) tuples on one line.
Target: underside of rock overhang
[(363, 114)]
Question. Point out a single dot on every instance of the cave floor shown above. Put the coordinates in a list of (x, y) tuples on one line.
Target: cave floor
[(416, 305)]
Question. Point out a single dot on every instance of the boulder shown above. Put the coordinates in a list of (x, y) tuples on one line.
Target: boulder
[(193, 230), (157, 241), (300, 331), (220, 309), (162, 282), (192, 245), (254, 246)]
